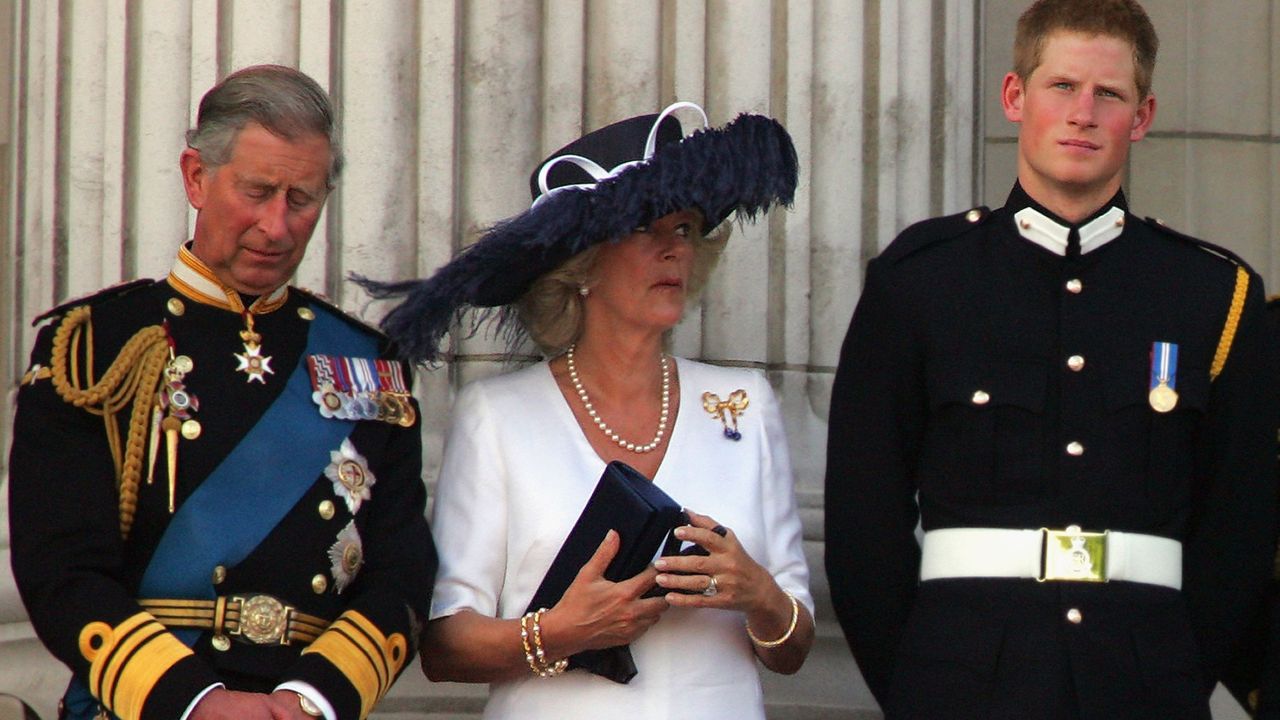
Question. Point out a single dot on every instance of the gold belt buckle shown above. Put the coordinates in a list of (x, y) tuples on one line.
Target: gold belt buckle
[(264, 620), (1073, 555)]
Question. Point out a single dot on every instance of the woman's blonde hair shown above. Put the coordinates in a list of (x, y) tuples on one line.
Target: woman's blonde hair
[(551, 310)]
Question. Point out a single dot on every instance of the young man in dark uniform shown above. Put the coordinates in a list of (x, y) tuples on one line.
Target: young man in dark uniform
[(216, 501), (1072, 401)]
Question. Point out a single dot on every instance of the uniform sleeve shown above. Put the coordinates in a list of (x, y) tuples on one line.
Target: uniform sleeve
[(67, 557), (470, 511), (356, 660), (782, 527), (877, 415), (1229, 549)]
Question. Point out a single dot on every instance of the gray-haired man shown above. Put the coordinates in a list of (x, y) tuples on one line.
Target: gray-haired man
[(243, 537)]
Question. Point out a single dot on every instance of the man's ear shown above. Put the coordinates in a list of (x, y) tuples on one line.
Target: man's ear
[(1012, 93), (195, 177), (1143, 118)]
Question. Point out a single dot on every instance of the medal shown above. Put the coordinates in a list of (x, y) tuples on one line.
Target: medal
[(172, 417), (1164, 377), (350, 388), (253, 363), (346, 555), (1162, 398), (350, 474), (409, 417)]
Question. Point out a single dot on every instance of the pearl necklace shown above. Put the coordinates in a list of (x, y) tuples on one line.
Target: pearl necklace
[(609, 432)]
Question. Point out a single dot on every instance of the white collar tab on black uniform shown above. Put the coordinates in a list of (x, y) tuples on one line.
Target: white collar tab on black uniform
[(1052, 235)]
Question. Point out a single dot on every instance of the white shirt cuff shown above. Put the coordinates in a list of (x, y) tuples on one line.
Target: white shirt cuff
[(312, 694), (192, 705)]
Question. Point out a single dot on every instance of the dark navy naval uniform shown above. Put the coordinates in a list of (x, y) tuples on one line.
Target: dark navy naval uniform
[(997, 377), (323, 587)]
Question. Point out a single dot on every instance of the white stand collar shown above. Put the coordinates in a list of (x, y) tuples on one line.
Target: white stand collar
[(1052, 236)]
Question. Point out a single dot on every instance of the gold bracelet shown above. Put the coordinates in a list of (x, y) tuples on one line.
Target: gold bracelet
[(795, 615), (524, 640), (547, 670)]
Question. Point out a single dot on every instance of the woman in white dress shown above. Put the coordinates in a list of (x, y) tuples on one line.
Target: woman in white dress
[(525, 449)]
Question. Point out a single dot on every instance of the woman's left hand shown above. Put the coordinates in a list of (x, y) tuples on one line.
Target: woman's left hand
[(725, 578)]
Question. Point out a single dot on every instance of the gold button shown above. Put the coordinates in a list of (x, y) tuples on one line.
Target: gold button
[(191, 429), (326, 509), (1074, 286), (1076, 362), (1120, 221), (221, 643), (973, 215), (981, 397), (175, 306), (306, 314), (1026, 224), (1074, 616), (319, 584), (1075, 448), (219, 574)]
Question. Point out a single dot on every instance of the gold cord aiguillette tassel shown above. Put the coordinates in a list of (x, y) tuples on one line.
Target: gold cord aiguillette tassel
[(171, 425)]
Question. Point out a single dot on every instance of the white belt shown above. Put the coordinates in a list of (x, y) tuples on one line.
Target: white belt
[(1043, 554)]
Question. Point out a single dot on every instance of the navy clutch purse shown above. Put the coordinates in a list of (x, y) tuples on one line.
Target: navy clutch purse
[(644, 516)]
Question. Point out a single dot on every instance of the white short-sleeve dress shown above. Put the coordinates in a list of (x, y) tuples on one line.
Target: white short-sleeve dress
[(517, 472)]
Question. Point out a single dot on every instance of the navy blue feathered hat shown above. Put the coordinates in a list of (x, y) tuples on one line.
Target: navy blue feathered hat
[(600, 187)]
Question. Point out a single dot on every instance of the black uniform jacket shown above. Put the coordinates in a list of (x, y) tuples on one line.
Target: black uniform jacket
[(1257, 668), (964, 304), (79, 580)]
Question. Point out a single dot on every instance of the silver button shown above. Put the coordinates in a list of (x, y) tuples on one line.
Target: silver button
[(1074, 616), (1074, 286), (1075, 448), (981, 397), (219, 574), (1076, 362), (973, 215)]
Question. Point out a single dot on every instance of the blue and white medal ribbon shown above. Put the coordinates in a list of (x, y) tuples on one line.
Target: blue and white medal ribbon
[(1164, 377)]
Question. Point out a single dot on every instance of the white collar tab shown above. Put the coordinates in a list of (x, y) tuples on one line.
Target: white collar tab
[(1051, 235)]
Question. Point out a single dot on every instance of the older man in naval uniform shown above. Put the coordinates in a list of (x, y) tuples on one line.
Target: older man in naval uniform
[(1072, 401), (215, 496)]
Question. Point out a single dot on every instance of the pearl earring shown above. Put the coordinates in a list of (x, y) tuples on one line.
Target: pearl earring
[(583, 290)]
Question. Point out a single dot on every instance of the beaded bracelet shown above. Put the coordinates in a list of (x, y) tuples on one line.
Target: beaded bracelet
[(524, 640), (531, 628), (795, 615), (548, 670)]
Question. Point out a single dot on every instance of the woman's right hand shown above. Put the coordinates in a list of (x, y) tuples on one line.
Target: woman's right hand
[(596, 613)]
